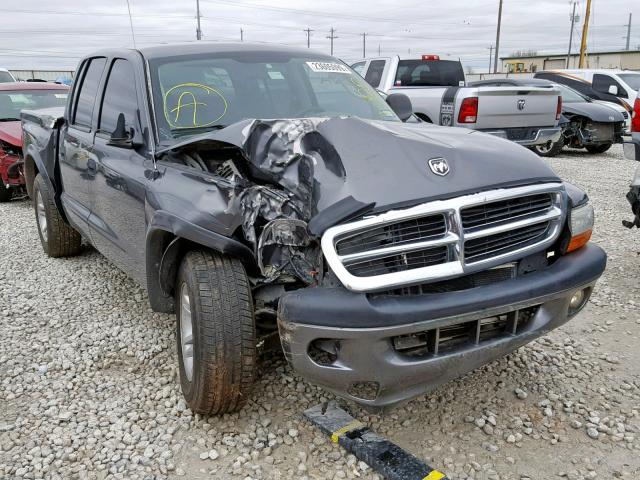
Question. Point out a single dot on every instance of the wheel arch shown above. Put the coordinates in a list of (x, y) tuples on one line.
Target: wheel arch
[(168, 240)]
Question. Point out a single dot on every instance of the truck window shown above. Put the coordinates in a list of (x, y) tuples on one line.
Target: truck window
[(374, 72), (631, 79), (429, 73), (359, 67), (601, 83), (119, 96), (87, 93)]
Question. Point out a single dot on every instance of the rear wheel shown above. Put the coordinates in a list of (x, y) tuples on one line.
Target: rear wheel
[(215, 332), (598, 148), (549, 149), (57, 237), (5, 193)]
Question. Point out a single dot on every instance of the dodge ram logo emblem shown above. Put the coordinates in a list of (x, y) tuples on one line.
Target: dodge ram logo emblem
[(521, 103), (439, 166)]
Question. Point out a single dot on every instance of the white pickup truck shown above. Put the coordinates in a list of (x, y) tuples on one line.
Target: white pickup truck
[(526, 115)]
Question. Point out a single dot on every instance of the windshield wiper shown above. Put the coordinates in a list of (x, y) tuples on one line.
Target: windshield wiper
[(10, 119), (177, 132)]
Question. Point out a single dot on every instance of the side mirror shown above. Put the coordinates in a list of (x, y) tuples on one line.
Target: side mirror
[(613, 90), (401, 105), (123, 136)]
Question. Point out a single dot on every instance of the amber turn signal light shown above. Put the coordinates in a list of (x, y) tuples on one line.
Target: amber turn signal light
[(579, 241)]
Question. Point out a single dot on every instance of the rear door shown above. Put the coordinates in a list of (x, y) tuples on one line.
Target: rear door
[(504, 107), (117, 219), (77, 157)]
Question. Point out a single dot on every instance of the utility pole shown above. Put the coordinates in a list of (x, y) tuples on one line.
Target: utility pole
[(364, 45), (308, 31), (378, 49), (241, 35), (573, 21), (495, 59), (198, 31), (628, 32), (490, 57), (585, 32), (332, 37)]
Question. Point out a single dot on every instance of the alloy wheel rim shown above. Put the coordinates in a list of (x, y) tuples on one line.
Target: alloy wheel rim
[(186, 331), (42, 217)]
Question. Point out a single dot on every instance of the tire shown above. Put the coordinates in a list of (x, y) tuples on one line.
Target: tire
[(58, 238), (213, 292), (5, 193), (552, 151), (598, 148)]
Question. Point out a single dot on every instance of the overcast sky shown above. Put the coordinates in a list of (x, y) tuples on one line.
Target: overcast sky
[(38, 34)]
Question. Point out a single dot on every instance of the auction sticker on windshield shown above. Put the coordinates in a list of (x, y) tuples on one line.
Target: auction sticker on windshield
[(328, 67)]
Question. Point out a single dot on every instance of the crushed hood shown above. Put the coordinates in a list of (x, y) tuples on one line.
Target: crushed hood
[(596, 112), (385, 163), (11, 132)]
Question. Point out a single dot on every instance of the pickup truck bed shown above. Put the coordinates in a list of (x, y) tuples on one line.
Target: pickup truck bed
[(526, 115)]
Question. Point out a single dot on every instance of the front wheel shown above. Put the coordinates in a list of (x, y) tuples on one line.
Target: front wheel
[(215, 332), (598, 148), (549, 149)]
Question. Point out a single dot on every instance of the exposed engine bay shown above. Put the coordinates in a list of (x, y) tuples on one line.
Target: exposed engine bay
[(581, 132)]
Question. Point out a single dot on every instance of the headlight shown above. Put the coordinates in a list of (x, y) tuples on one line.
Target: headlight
[(580, 226)]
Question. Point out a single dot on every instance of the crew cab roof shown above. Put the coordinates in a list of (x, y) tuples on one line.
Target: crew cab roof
[(194, 48), (32, 86)]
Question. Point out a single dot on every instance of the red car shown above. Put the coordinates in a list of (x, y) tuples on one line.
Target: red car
[(14, 97)]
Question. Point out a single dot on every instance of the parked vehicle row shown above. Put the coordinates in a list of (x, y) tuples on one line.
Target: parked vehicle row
[(529, 116), (632, 152), (14, 97), (388, 255), (585, 123)]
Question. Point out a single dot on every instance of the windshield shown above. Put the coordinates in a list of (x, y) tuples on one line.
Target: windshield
[(631, 79), (206, 91), (5, 77), (569, 95), (13, 101)]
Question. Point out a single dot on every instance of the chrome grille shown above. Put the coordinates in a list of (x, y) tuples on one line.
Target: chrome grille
[(505, 210), (492, 245), (399, 262), (409, 231), (444, 239)]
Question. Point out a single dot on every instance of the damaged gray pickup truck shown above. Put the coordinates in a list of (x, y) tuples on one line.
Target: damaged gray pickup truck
[(264, 192)]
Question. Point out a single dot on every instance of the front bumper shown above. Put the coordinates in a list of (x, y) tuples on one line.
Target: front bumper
[(631, 150), (530, 137), (363, 329)]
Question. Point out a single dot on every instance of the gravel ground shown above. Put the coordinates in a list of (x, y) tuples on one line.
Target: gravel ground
[(89, 383)]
